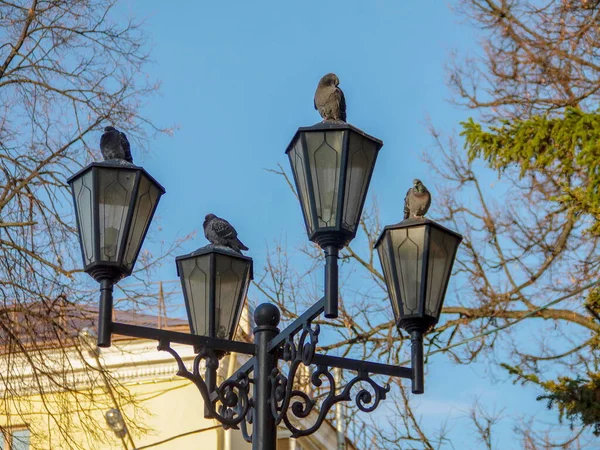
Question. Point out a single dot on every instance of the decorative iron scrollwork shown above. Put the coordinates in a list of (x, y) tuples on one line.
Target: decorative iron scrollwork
[(247, 422), (296, 354), (231, 404), (232, 394), (287, 402)]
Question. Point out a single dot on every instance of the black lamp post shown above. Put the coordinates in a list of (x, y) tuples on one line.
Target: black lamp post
[(332, 164), (114, 205), (417, 257), (214, 281)]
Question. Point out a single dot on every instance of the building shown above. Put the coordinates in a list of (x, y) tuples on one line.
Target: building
[(57, 408)]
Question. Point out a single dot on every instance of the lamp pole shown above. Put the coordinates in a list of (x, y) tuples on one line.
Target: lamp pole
[(265, 431), (332, 163)]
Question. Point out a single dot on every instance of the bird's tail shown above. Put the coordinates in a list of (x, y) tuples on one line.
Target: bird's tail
[(240, 245)]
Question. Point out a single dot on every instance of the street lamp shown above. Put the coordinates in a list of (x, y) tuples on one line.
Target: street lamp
[(115, 421), (417, 257), (332, 164), (214, 281), (114, 205)]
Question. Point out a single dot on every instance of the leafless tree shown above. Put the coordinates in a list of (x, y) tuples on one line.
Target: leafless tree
[(67, 68), (533, 256), (538, 56)]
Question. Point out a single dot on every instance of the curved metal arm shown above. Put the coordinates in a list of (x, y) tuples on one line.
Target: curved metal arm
[(231, 404), (232, 394)]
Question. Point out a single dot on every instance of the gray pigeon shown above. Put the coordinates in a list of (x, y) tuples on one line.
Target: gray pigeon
[(220, 232), (329, 99), (114, 145), (417, 201)]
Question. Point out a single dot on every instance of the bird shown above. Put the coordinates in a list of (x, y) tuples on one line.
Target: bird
[(329, 99), (114, 145), (220, 232), (417, 201)]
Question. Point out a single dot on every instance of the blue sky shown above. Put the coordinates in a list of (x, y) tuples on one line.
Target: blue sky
[(238, 79)]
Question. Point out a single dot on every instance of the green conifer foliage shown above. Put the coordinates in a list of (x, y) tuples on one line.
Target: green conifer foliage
[(566, 148)]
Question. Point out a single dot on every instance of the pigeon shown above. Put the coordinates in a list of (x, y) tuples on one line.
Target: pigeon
[(417, 201), (114, 145), (329, 99), (220, 232)]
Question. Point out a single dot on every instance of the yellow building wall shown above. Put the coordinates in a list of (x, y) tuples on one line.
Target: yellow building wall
[(173, 408), (162, 411), (165, 410)]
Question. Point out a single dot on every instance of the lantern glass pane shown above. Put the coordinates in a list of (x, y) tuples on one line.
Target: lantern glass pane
[(325, 154), (385, 256), (195, 279), (83, 195), (148, 195), (114, 196), (230, 291), (442, 247), (297, 160), (361, 157), (408, 244)]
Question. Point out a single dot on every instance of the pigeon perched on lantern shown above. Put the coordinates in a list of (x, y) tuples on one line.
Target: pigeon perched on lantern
[(220, 232), (215, 280), (114, 145), (330, 100), (417, 201)]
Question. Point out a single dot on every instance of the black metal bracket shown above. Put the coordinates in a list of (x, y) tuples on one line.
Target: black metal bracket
[(231, 394), (297, 345), (231, 403), (223, 345)]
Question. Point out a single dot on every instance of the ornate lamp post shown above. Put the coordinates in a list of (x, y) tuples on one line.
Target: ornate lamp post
[(214, 281), (114, 204), (417, 257), (332, 164)]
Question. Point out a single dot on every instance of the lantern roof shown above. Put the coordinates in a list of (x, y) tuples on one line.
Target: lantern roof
[(117, 164), (413, 222), (220, 249), (333, 126)]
